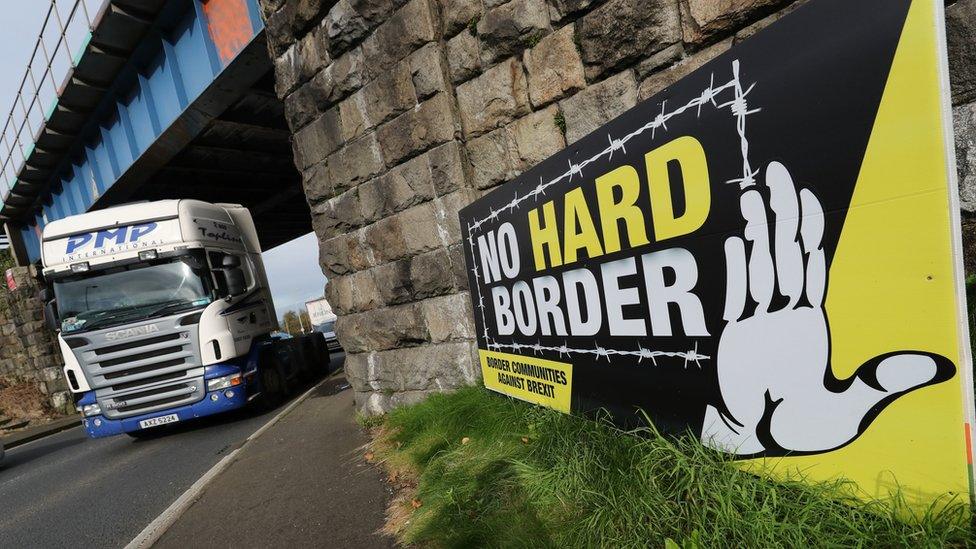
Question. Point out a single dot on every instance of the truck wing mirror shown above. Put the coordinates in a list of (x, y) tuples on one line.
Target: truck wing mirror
[(234, 278), (232, 275), (51, 314)]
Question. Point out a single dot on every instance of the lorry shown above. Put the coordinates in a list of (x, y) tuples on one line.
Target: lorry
[(323, 320), (163, 314)]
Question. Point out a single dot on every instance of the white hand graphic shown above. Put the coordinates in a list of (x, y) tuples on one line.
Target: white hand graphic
[(774, 373)]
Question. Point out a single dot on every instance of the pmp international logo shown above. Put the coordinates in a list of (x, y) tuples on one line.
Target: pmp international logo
[(110, 241)]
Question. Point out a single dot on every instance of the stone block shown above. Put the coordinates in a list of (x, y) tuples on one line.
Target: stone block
[(382, 329), (301, 106), (393, 281), (705, 19), (404, 186), (389, 95), (356, 162), (426, 227), (598, 104), (375, 12), (463, 57), (964, 122), (353, 293), (554, 67), (410, 27), (458, 266), (362, 374), (317, 140), (312, 53), (62, 402), (287, 72), (50, 374), (431, 274), (385, 239), (316, 184), (290, 21), (493, 159), (352, 116), (413, 132), (660, 60), (441, 366), (343, 254), (446, 210), (961, 35), (494, 99), (428, 71), (623, 31), (537, 137), (448, 168), (345, 75), (662, 79), (268, 7), (457, 15), (347, 210), (512, 27), (449, 317), (344, 27), (393, 373)]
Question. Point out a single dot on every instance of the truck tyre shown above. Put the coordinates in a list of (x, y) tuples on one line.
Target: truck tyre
[(272, 386)]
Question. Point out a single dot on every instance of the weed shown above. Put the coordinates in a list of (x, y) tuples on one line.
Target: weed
[(369, 422), (581, 483), (533, 39), (560, 122), (473, 25)]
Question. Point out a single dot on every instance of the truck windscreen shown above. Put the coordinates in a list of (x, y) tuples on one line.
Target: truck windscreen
[(131, 293)]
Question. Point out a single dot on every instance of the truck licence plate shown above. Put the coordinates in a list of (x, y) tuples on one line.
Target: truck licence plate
[(161, 420)]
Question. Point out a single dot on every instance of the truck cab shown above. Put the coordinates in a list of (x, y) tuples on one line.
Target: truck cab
[(163, 312)]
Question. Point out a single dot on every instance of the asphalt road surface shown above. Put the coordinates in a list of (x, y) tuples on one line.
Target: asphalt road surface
[(68, 490)]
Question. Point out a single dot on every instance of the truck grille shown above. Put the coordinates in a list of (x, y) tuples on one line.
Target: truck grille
[(156, 365)]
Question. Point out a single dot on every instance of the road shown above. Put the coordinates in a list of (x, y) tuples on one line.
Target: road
[(68, 490)]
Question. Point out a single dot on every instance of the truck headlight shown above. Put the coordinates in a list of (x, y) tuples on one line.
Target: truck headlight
[(219, 383), (89, 410)]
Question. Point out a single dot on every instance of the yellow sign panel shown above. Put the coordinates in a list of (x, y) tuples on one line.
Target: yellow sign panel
[(531, 379)]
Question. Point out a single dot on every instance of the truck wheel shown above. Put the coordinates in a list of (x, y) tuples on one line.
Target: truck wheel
[(272, 387)]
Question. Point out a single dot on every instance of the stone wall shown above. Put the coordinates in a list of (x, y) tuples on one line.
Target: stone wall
[(404, 111), (28, 350)]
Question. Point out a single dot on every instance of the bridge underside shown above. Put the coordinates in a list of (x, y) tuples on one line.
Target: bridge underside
[(243, 156)]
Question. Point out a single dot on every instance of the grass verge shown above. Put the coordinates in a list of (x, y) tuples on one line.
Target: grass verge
[(480, 469)]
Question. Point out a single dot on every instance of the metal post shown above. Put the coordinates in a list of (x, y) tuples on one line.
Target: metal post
[(61, 27), (17, 248), (84, 8)]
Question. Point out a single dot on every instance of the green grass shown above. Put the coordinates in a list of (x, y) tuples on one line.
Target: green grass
[(531, 477)]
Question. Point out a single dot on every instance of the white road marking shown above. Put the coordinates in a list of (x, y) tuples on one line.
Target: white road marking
[(151, 533)]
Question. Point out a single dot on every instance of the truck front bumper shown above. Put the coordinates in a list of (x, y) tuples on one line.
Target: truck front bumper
[(100, 426)]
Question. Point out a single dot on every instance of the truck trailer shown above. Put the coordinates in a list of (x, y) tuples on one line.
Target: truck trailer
[(164, 314)]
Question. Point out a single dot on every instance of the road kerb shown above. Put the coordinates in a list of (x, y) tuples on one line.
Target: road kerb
[(160, 524), (31, 434)]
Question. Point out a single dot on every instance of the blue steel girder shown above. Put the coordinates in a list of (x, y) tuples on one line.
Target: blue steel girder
[(145, 85)]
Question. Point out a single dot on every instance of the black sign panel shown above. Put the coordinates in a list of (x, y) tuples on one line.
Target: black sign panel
[(680, 260)]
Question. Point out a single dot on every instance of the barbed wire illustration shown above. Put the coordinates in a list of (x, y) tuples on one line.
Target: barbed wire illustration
[(738, 106), (603, 352)]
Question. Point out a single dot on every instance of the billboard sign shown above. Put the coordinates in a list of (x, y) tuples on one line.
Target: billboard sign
[(765, 254)]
